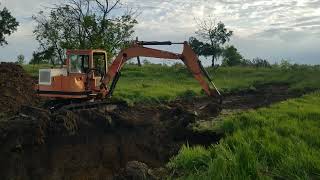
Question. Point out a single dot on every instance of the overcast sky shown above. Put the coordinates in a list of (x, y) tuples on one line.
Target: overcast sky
[(272, 29)]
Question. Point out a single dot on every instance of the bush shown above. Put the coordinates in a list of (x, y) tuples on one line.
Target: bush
[(20, 59), (231, 56), (258, 62), (285, 64), (246, 62)]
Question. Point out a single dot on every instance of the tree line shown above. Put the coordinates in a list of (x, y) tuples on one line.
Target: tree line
[(109, 25)]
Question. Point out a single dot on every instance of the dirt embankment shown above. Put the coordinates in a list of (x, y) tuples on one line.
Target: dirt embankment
[(93, 143), (16, 88), (104, 144)]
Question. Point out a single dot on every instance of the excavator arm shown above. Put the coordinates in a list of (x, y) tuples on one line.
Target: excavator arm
[(188, 57)]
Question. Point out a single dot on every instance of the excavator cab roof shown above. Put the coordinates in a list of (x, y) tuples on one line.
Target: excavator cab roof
[(84, 51)]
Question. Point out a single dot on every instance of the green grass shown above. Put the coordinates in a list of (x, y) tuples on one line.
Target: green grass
[(33, 70), (157, 82), (279, 142)]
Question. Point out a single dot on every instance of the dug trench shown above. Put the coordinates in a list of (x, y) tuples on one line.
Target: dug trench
[(126, 142)]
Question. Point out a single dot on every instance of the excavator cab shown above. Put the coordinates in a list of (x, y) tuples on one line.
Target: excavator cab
[(79, 78)]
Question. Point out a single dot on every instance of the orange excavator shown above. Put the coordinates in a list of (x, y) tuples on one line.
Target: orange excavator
[(87, 77)]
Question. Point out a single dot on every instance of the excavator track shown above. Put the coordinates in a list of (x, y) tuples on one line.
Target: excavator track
[(93, 105), (72, 106)]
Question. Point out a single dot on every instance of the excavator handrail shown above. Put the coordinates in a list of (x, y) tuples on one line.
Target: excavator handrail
[(155, 43)]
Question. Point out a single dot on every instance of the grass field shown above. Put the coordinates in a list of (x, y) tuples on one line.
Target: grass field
[(280, 142), (158, 82)]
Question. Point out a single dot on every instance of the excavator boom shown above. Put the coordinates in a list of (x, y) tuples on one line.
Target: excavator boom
[(188, 57)]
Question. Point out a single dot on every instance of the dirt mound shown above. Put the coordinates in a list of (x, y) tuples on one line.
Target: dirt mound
[(16, 88), (129, 142), (93, 144)]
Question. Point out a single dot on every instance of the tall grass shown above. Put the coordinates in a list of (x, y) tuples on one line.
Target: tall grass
[(279, 142)]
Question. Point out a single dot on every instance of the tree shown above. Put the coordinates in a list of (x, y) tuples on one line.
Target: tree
[(35, 59), (83, 24), (285, 64), (231, 56), (8, 25), (43, 57), (204, 49), (196, 45), (20, 59), (214, 36), (246, 62)]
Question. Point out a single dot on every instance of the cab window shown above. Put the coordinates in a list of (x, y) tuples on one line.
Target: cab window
[(99, 62), (79, 63)]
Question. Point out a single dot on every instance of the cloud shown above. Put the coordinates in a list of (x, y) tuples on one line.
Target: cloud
[(275, 24)]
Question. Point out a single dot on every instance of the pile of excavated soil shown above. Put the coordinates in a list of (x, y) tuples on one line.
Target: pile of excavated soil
[(94, 143), (16, 88), (123, 143)]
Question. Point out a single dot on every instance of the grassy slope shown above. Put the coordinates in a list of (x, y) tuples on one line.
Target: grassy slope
[(165, 83), (282, 141), (156, 82)]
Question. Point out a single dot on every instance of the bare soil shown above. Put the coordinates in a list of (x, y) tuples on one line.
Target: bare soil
[(16, 88), (129, 142)]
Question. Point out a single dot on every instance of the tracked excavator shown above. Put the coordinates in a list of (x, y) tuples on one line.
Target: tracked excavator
[(86, 80)]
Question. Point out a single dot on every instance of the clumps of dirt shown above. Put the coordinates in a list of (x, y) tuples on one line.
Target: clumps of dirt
[(63, 123), (16, 88), (137, 170), (32, 126)]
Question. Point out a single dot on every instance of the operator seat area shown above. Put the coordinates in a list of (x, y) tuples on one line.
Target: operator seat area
[(79, 63)]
